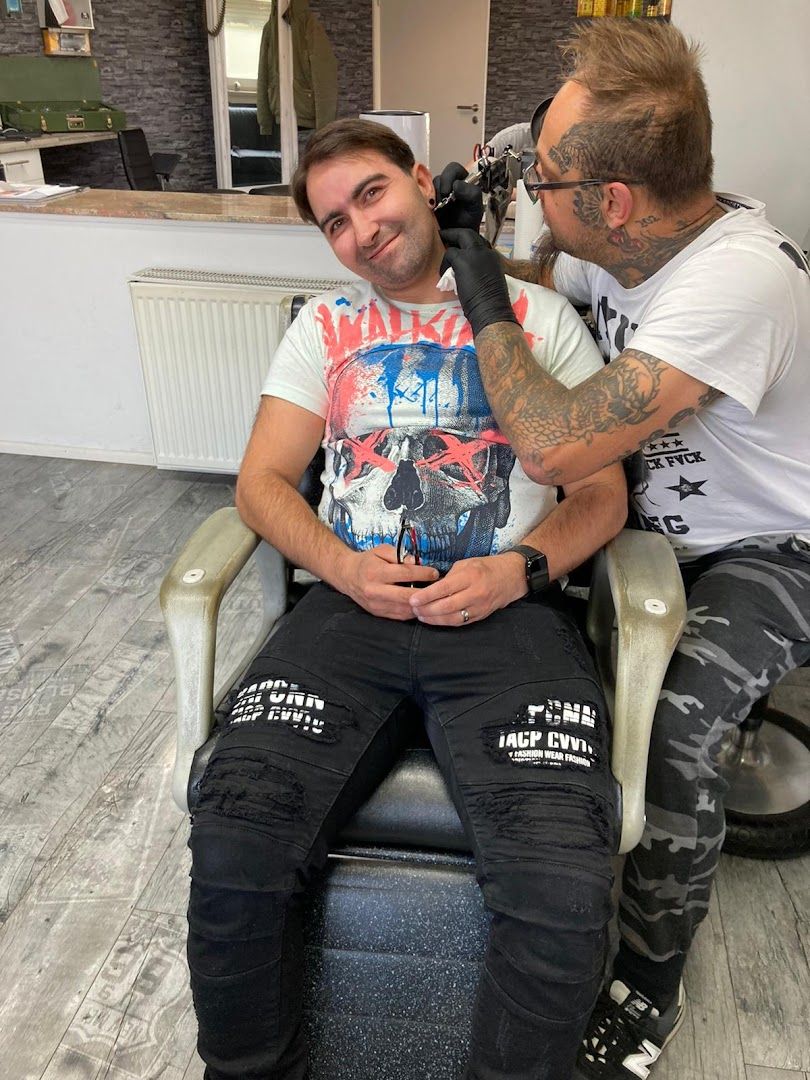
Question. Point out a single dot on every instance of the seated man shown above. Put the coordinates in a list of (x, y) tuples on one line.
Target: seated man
[(434, 551)]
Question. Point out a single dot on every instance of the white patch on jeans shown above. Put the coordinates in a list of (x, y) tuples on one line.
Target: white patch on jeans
[(277, 701)]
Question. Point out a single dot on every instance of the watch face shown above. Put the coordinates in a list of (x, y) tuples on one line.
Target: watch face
[(537, 572)]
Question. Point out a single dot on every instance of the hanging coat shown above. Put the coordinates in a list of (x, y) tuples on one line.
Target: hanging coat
[(314, 71)]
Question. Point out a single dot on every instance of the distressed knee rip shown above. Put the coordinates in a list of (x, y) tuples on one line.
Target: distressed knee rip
[(246, 783), (546, 819)]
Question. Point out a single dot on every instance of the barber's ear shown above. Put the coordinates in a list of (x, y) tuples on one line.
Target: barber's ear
[(617, 204), (421, 174)]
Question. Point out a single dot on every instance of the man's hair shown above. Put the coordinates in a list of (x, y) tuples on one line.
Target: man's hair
[(343, 138), (648, 115)]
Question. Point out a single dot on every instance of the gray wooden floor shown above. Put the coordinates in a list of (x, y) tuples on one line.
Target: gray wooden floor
[(93, 861)]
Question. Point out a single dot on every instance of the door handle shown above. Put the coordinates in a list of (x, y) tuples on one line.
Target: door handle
[(468, 108)]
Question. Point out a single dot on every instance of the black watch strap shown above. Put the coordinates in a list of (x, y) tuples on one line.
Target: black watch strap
[(536, 567)]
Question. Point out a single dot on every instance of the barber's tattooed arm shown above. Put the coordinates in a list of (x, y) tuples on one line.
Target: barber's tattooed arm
[(562, 435)]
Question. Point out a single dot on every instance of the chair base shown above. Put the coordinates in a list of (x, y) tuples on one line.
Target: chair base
[(395, 943), (767, 764)]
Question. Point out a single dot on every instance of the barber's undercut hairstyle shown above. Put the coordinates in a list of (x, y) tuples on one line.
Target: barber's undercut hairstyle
[(648, 116), (342, 138)]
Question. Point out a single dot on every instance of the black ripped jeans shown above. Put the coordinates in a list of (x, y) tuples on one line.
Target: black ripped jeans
[(517, 721)]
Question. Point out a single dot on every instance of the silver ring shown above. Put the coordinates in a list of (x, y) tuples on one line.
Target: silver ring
[(465, 616)]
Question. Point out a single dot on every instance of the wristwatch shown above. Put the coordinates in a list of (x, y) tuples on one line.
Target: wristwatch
[(536, 568)]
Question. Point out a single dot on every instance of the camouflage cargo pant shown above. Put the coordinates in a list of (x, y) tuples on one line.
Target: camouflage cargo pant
[(748, 624)]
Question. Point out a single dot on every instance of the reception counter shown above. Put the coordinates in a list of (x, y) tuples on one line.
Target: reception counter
[(210, 207), (71, 372)]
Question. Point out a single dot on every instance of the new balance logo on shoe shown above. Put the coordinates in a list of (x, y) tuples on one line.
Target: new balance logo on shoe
[(626, 1034), (638, 1064)]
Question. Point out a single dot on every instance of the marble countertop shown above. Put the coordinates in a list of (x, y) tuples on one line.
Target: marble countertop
[(167, 205)]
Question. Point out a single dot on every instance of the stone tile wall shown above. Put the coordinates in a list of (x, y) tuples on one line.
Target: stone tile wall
[(524, 59), (154, 65), (153, 59)]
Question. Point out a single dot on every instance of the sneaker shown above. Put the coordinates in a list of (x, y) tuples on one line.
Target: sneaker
[(626, 1034)]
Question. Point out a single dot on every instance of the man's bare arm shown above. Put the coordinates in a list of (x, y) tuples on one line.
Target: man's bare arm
[(593, 511), (284, 440), (563, 435)]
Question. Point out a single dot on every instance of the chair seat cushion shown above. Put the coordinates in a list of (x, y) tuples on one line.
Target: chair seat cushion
[(411, 808)]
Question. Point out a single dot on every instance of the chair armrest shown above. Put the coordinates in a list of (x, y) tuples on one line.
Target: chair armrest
[(190, 597), (637, 584)]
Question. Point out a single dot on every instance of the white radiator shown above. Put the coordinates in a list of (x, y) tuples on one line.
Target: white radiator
[(206, 341)]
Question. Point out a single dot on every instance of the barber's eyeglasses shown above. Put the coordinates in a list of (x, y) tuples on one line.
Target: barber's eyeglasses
[(407, 543), (533, 182)]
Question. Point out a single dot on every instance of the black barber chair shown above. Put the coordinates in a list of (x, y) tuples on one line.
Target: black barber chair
[(145, 171), (397, 929)]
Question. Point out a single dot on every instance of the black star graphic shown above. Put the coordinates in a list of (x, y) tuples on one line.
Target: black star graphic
[(652, 446), (678, 442), (685, 488), (665, 445)]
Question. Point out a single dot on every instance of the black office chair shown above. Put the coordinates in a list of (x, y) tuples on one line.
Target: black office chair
[(145, 171)]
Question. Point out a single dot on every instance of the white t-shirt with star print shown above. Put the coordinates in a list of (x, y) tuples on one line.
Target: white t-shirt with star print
[(733, 310)]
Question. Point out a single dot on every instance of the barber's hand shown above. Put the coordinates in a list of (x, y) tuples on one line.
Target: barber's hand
[(477, 586), (379, 584), (480, 280), (467, 208)]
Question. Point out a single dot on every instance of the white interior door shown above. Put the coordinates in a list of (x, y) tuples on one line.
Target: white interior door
[(431, 55)]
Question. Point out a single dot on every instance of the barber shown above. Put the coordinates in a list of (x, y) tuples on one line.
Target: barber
[(702, 310)]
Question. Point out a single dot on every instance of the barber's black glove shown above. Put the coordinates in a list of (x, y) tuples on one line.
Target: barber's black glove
[(467, 208), (480, 280)]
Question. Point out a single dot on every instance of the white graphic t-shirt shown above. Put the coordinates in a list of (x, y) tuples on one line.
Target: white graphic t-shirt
[(408, 428), (733, 310)]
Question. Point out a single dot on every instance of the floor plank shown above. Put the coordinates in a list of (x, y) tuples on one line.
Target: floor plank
[(768, 963), (708, 1045), (757, 1072), (78, 640), (137, 1017), (49, 955), (44, 793)]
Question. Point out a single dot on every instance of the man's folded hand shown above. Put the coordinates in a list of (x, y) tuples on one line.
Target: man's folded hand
[(381, 585)]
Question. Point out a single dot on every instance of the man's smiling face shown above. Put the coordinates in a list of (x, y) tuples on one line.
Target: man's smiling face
[(376, 218)]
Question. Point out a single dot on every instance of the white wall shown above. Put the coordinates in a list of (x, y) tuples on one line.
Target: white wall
[(70, 371), (757, 70)]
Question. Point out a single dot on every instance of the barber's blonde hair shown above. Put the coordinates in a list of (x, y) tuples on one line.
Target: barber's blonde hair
[(648, 115)]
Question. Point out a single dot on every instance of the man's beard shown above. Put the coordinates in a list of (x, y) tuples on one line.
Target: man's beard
[(584, 247), (411, 259)]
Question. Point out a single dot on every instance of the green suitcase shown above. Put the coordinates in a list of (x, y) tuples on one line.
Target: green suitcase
[(54, 94)]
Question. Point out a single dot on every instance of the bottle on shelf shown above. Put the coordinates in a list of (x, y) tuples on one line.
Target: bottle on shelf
[(634, 8), (584, 8)]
